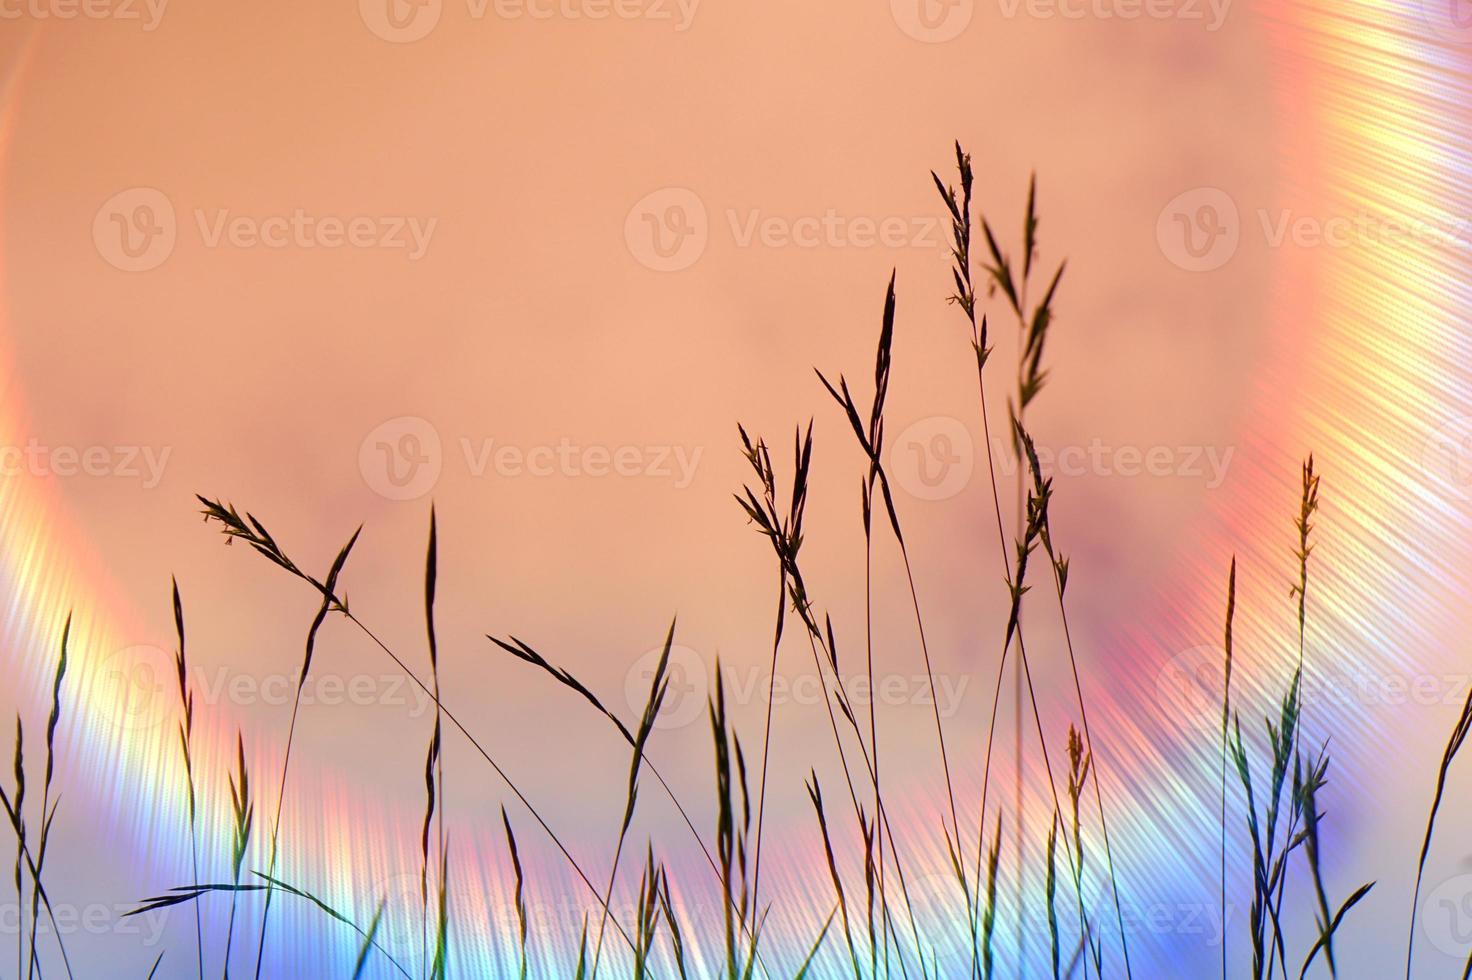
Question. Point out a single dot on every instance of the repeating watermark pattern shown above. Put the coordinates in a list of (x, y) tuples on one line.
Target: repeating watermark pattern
[(402, 459), (1202, 229), (689, 678), (137, 229), (146, 464), (148, 14), (933, 21), (1450, 20), (91, 919), (1212, 14), (407, 21), (669, 229), (1446, 457)]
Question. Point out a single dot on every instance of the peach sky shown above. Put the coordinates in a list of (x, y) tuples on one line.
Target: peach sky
[(455, 230)]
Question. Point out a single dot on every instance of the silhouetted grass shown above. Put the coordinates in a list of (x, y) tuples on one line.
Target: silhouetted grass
[(882, 934), (186, 748)]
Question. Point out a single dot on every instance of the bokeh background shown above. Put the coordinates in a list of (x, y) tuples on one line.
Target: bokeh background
[(532, 262)]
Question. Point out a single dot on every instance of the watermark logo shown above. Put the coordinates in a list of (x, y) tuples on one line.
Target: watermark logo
[(299, 229), (1447, 457), (135, 230), (1211, 13), (1188, 688), (1199, 462), (400, 21), (406, 21), (144, 691), (1449, 19), (570, 460), (145, 464), (755, 686), (148, 13), (403, 903), (933, 21), (1199, 231), (668, 229), (318, 690), (933, 458), (136, 680), (1446, 916), (831, 230), (92, 919), (684, 698), (401, 459)]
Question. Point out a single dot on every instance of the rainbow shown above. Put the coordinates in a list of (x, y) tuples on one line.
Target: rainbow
[(1367, 370)]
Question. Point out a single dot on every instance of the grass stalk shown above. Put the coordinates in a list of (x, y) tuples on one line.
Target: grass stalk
[(1037, 509), (989, 914), (48, 811), (1080, 762), (760, 460), (14, 815), (243, 811), (434, 766), (999, 276), (871, 441), (251, 531), (194, 893), (520, 894), (367, 947), (1226, 714), (658, 686), (1449, 754), (731, 833), (1050, 891), (186, 747), (672, 923), (19, 826), (815, 794), (520, 650), (785, 536), (329, 585), (646, 920), (1058, 565), (431, 760)]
